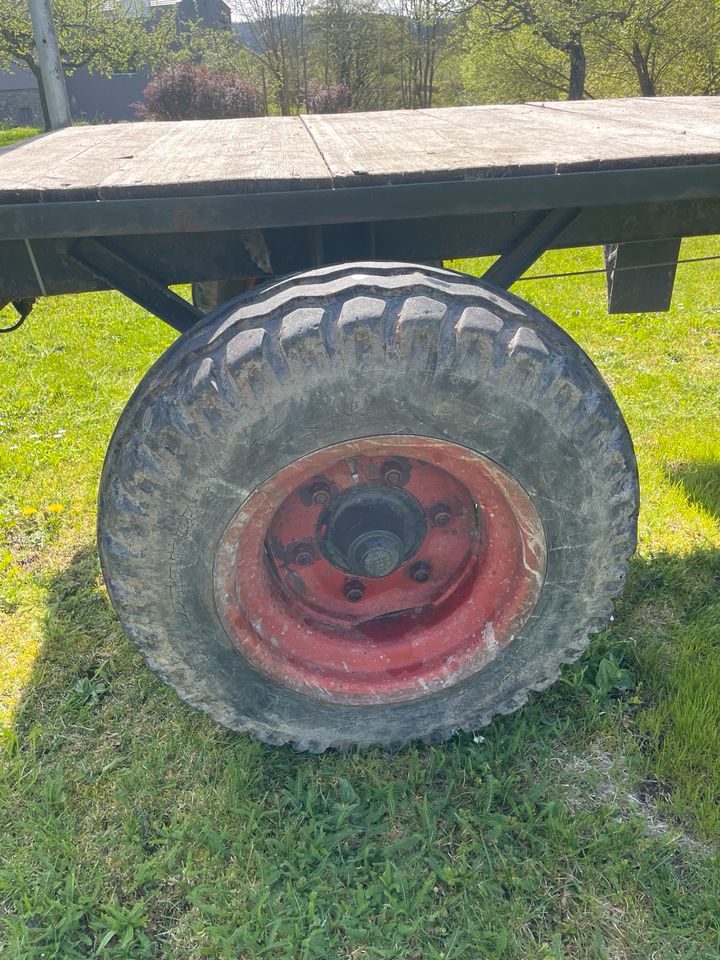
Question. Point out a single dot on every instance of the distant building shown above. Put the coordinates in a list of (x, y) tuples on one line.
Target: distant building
[(20, 98), (211, 13), (94, 97)]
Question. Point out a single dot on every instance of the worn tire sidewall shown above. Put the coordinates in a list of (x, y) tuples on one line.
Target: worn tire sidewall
[(321, 404)]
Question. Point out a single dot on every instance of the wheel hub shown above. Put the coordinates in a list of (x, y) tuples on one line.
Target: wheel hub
[(371, 529), (380, 570)]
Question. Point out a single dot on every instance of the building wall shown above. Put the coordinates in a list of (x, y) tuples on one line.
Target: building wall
[(21, 108), (19, 98), (94, 97)]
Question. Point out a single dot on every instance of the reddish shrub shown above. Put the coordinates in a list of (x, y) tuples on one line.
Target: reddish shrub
[(189, 91), (334, 98)]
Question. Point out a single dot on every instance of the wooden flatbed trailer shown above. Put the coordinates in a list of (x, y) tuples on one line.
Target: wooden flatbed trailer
[(373, 500)]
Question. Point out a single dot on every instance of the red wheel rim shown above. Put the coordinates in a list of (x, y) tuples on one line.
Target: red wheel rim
[(380, 570)]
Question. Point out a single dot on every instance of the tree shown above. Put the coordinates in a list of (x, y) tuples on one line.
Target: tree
[(562, 24), (347, 47), (510, 67), (97, 34), (423, 30), (279, 40), (671, 46)]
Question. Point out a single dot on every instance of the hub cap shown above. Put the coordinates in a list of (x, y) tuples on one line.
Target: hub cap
[(380, 570)]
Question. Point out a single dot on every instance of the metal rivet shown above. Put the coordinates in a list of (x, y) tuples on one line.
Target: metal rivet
[(420, 572), (303, 557), (392, 474), (354, 591), (320, 494), (441, 515)]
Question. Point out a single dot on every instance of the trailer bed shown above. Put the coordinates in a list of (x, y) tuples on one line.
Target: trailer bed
[(191, 158), (142, 206)]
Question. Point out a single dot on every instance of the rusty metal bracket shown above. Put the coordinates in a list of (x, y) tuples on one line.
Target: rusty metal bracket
[(135, 282), (528, 245), (641, 275)]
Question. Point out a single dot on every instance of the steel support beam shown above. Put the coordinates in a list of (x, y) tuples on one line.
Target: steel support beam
[(105, 217), (525, 248), (135, 282), (640, 276)]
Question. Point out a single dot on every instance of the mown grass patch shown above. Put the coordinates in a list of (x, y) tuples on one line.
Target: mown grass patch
[(10, 135), (581, 827)]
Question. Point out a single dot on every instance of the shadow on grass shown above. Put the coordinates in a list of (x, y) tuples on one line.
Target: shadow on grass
[(92, 706), (89, 674), (700, 480), (138, 822)]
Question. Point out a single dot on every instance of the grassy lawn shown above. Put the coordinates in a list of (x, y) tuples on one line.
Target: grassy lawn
[(10, 135), (585, 826)]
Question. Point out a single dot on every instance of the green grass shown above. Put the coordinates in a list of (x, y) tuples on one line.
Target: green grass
[(584, 826), (10, 135)]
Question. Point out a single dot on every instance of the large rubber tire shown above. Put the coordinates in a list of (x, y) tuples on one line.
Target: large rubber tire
[(344, 352)]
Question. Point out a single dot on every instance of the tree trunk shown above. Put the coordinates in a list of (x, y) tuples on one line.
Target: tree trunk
[(35, 70), (578, 70), (640, 62), (264, 91), (284, 99)]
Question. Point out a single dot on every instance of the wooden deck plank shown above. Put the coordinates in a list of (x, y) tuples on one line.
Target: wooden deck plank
[(690, 118), (163, 159), (501, 141), (259, 154), (603, 134), (194, 158), (70, 161)]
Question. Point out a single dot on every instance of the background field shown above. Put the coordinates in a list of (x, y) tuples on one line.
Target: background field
[(585, 826)]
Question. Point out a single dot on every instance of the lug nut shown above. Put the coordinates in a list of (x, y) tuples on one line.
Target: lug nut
[(392, 474), (320, 494), (441, 515), (420, 572), (303, 556), (354, 591)]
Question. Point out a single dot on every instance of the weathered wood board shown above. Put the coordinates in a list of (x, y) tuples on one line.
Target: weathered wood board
[(195, 158), (163, 159)]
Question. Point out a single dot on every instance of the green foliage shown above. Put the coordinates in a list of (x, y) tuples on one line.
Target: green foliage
[(10, 135), (626, 47), (402, 53), (510, 67), (562, 26), (89, 692), (347, 44), (98, 34), (667, 46), (610, 678)]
